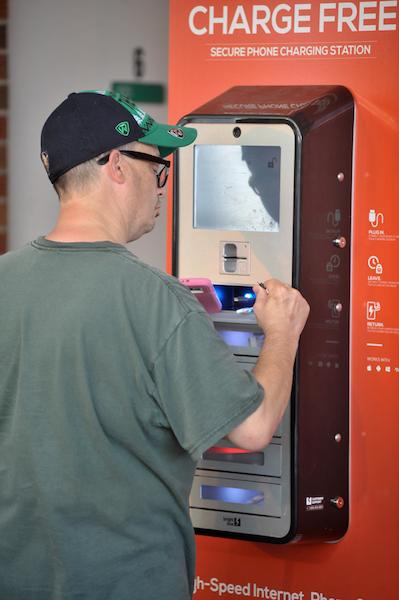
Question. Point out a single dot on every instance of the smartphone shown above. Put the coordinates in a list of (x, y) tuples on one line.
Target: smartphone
[(204, 291)]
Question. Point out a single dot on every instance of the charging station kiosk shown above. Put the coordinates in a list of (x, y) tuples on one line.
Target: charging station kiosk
[(264, 192)]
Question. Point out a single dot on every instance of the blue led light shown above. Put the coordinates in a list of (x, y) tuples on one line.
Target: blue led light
[(219, 292), (249, 296), (232, 495)]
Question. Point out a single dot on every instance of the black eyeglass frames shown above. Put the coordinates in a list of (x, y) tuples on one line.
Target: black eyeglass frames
[(163, 171)]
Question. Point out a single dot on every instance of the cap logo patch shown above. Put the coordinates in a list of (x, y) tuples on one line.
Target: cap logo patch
[(179, 133), (123, 128)]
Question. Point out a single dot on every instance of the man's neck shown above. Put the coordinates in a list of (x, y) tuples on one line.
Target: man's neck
[(64, 234), (79, 222)]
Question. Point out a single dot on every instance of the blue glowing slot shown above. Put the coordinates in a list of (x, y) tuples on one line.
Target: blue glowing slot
[(234, 297), (235, 338), (232, 495)]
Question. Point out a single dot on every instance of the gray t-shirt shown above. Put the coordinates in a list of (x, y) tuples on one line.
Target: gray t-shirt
[(113, 381)]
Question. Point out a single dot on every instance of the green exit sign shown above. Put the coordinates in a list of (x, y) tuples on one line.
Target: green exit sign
[(141, 92)]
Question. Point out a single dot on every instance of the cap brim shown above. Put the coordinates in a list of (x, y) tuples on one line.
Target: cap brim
[(169, 137)]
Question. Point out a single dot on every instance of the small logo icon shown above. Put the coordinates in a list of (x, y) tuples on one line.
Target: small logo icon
[(375, 219), (374, 264), (271, 163), (178, 133), (334, 217), (232, 521), (123, 128), (372, 309), (333, 263)]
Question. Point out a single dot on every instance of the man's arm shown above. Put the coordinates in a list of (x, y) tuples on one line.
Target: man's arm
[(281, 312)]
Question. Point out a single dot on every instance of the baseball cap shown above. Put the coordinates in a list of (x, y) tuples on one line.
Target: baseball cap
[(91, 122)]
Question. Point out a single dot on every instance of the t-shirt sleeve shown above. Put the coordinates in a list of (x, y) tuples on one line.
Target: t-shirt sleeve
[(202, 390)]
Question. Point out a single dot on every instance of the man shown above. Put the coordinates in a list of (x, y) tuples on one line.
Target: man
[(112, 378)]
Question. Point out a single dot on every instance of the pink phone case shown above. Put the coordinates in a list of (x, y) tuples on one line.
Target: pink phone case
[(204, 291)]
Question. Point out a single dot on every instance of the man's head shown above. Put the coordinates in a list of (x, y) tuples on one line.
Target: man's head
[(89, 124), (105, 158)]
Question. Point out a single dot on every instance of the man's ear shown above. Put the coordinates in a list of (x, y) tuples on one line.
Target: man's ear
[(115, 167)]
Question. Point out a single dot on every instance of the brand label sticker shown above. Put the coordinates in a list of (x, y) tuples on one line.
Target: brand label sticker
[(179, 133), (314, 502)]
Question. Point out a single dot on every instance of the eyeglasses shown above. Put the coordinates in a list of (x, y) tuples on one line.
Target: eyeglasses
[(163, 170)]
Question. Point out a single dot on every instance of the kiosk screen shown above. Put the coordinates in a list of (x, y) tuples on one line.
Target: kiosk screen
[(237, 188)]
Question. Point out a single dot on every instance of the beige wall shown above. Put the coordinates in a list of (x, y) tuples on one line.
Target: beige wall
[(59, 46)]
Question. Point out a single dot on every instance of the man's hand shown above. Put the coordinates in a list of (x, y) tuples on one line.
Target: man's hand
[(281, 312), (280, 309)]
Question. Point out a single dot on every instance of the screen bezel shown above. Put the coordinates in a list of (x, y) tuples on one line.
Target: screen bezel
[(198, 252)]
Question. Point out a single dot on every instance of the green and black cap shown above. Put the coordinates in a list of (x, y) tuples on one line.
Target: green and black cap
[(90, 123)]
